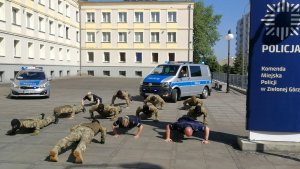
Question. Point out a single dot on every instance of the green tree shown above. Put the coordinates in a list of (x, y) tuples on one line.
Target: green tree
[(238, 64), (205, 30), (212, 62)]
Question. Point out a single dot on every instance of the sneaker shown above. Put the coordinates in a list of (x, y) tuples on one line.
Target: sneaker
[(78, 157), (53, 155)]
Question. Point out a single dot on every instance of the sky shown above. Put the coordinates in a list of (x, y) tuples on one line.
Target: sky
[(231, 11)]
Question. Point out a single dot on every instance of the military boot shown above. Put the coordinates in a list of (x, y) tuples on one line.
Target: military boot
[(78, 156), (53, 155)]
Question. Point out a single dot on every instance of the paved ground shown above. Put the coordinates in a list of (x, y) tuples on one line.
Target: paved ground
[(150, 151)]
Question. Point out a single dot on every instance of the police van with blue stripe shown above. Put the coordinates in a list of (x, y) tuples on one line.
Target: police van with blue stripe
[(174, 80), (30, 82)]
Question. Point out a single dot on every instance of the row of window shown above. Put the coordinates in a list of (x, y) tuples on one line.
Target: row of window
[(122, 57), (138, 37), (138, 17), (18, 51), (122, 73)]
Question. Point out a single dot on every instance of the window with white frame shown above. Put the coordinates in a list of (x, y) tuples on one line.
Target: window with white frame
[(41, 24), (172, 37), (29, 20), (122, 17), (90, 17), (106, 17), (60, 30), (67, 10), (42, 2), (122, 57), (67, 32), (171, 56), (138, 17), (2, 47), (77, 36), (42, 51), (51, 28), (154, 16), (122, 37), (52, 53), (138, 57), (138, 37), (2, 11), (77, 16), (15, 16), (90, 36), (68, 54), (17, 49), (154, 57), (30, 47), (51, 5), (60, 54), (90, 57), (105, 36), (172, 17), (106, 57), (155, 37), (60, 6)]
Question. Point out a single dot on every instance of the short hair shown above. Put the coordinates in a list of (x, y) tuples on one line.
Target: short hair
[(15, 123), (198, 108), (152, 98), (125, 121), (145, 107), (89, 93), (119, 92), (193, 98), (101, 106), (188, 131)]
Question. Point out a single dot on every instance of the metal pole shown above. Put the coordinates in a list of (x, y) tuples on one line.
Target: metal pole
[(228, 68), (80, 64), (189, 33)]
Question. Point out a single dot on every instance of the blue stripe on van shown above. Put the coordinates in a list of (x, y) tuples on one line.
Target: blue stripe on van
[(155, 78), (190, 83)]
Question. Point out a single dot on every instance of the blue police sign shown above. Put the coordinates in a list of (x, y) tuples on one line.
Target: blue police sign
[(273, 102)]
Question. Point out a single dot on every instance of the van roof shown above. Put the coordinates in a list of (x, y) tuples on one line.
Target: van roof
[(182, 63)]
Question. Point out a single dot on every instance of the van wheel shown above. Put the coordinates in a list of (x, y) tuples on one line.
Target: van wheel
[(174, 95), (204, 94)]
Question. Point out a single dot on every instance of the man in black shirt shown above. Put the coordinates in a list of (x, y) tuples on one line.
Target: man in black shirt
[(92, 98), (129, 123)]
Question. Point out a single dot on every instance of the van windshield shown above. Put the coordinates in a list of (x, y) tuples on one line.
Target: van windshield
[(25, 75), (166, 70)]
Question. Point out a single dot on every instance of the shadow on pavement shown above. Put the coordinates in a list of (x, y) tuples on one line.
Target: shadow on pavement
[(140, 165)]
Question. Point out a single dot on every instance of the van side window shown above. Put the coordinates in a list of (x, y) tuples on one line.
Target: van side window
[(195, 71)]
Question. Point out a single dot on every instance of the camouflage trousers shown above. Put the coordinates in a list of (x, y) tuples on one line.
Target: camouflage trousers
[(37, 123), (82, 134), (67, 109)]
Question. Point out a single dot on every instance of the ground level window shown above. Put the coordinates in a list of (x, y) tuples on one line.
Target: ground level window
[(52, 73), (106, 73), (138, 73), (90, 72), (1, 76), (122, 73), (68, 72), (171, 56), (15, 73), (60, 73)]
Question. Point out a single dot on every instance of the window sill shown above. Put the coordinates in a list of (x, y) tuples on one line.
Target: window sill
[(106, 42), (105, 61), (2, 20), (138, 42), (122, 42), (41, 31), (122, 62), (171, 22), (16, 24), (30, 28), (154, 42)]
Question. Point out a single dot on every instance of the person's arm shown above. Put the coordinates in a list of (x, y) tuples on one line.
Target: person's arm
[(168, 134), (114, 128), (155, 114), (103, 134), (113, 99), (82, 100), (205, 116), (206, 135), (138, 110), (140, 129)]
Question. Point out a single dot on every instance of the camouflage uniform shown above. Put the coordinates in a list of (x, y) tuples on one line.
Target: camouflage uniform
[(158, 101), (84, 133), (193, 101), (68, 109), (193, 114), (124, 96), (108, 111), (147, 114)]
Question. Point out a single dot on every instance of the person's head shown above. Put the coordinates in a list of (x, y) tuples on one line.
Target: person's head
[(145, 108), (119, 93), (198, 109), (125, 121), (153, 98), (193, 98), (15, 125), (89, 94), (101, 107), (188, 131)]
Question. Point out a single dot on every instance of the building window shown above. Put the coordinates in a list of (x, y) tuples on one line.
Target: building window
[(68, 72), (60, 73), (122, 73), (15, 73), (122, 37), (60, 54), (30, 50), (1, 76), (105, 36), (2, 11), (90, 36), (106, 57), (52, 73), (90, 72), (42, 2), (51, 28), (171, 56), (138, 17), (90, 17), (15, 16), (106, 17), (77, 16), (67, 10), (172, 37), (138, 37), (41, 24), (106, 73), (60, 30), (67, 32), (77, 36), (139, 73), (155, 17), (68, 55), (2, 47), (122, 57), (29, 20), (155, 37), (90, 56), (42, 51), (138, 57), (172, 17), (17, 49), (154, 57), (60, 7), (122, 17), (52, 53)]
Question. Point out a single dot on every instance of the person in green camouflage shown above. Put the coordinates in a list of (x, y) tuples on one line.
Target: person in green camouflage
[(192, 101), (198, 111), (83, 134), (105, 111), (147, 111), (156, 100), (124, 95), (69, 110), (32, 123)]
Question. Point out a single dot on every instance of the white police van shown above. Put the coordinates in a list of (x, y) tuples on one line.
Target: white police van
[(174, 80), (30, 82)]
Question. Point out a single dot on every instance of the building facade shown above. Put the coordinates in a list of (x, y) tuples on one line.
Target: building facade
[(116, 39)]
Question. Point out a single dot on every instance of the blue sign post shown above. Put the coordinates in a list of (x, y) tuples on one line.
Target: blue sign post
[(273, 103)]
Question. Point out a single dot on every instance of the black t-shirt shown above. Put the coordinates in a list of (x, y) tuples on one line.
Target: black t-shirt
[(95, 98), (184, 122), (133, 122)]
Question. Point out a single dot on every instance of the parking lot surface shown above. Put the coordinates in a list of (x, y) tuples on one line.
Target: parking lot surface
[(226, 121)]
